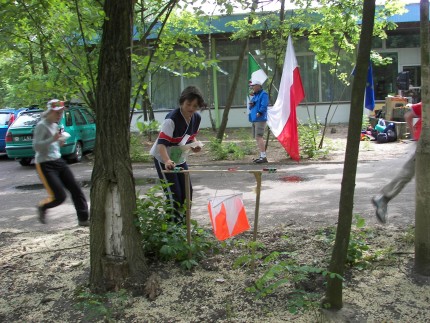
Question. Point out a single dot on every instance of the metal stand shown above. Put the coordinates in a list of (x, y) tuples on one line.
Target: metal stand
[(257, 175)]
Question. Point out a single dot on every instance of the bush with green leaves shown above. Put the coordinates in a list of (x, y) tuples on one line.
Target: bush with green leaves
[(283, 269), (359, 254), (148, 128), (138, 152), (230, 150), (165, 239), (309, 136)]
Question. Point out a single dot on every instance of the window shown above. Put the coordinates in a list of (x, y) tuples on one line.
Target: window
[(414, 83), (414, 75), (403, 41), (4, 118), (88, 116), (384, 77), (309, 72), (27, 119), (68, 118), (165, 90), (79, 118)]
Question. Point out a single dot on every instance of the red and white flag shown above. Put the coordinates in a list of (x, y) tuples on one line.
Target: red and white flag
[(228, 216), (282, 118)]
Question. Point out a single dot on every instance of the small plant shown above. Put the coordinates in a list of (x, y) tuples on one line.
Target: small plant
[(409, 235), (358, 255), (308, 141), (217, 149), (165, 239), (230, 150), (107, 306), (249, 253), (148, 128), (365, 122), (138, 152), (284, 270)]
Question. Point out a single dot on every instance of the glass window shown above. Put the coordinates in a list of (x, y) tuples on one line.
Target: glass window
[(27, 119), (225, 81), (227, 48), (309, 72), (376, 42), (414, 83), (414, 75), (4, 118), (403, 41), (68, 118), (165, 90), (79, 118), (90, 118), (384, 77), (301, 45), (332, 89)]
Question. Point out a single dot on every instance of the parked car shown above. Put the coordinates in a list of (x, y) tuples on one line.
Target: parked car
[(77, 120), (7, 117)]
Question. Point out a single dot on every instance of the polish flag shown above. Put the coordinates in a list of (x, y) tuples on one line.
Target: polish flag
[(228, 216), (281, 117)]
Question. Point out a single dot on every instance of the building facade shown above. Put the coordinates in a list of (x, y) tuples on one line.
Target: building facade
[(326, 96)]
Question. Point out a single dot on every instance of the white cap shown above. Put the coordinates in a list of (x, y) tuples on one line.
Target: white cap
[(255, 82), (55, 105)]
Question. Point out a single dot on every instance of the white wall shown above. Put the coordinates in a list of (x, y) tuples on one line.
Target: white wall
[(339, 113), (408, 57)]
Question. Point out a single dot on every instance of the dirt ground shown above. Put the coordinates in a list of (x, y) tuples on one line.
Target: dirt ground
[(44, 276)]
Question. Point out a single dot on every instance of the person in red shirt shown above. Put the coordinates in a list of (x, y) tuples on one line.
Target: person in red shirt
[(415, 112), (395, 186)]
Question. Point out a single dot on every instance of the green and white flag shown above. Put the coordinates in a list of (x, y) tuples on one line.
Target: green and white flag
[(255, 72), (255, 75)]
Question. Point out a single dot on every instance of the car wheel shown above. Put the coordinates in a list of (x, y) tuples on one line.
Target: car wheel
[(25, 161), (77, 155)]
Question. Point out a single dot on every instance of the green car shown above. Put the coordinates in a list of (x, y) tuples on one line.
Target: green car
[(77, 120)]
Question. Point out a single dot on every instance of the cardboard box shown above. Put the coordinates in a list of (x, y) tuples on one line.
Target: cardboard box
[(394, 102)]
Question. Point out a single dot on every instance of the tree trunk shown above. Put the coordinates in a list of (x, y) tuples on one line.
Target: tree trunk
[(117, 258), (422, 212), (333, 298), (223, 125), (43, 57)]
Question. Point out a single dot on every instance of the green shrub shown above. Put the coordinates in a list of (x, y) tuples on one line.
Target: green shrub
[(138, 152), (309, 137), (358, 254), (165, 239), (217, 150), (148, 128), (230, 150), (283, 269)]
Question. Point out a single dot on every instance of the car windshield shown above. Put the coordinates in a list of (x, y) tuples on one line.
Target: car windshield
[(4, 118), (27, 119)]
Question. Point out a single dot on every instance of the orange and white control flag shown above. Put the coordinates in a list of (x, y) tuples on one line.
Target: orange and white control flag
[(228, 216)]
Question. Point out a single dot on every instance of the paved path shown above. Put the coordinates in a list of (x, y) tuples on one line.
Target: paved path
[(300, 194)]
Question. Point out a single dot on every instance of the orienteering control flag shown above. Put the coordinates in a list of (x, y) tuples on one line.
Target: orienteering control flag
[(228, 216), (281, 117)]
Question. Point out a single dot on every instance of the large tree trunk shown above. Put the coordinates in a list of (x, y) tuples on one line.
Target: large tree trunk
[(117, 259), (422, 212), (337, 264), (223, 125)]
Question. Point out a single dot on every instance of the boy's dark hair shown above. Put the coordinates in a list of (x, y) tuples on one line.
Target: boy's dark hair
[(191, 93)]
